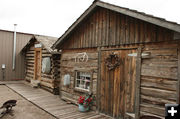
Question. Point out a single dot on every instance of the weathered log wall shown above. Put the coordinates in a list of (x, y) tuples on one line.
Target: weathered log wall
[(29, 63), (68, 66), (48, 81), (159, 77)]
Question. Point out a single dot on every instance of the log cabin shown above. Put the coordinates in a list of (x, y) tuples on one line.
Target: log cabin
[(42, 63), (129, 60)]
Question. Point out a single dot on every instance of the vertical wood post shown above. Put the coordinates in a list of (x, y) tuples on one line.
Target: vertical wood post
[(98, 80), (178, 76), (138, 76), (35, 61), (34, 64)]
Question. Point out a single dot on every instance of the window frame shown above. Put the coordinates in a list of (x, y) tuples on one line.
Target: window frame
[(91, 81), (46, 64)]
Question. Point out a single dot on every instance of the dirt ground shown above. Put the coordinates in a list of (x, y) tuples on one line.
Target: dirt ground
[(24, 109)]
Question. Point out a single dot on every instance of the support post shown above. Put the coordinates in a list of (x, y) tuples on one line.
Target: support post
[(138, 79), (98, 80)]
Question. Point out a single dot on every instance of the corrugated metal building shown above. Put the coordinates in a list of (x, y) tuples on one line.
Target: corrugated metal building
[(6, 54)]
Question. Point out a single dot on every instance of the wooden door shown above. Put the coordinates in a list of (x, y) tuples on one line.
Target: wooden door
[(37, 64), (117, 86)]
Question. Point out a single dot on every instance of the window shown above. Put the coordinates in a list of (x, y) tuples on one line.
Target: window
[(46, 65), (83, 81)]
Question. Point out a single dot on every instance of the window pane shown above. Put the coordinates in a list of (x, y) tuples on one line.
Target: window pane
[(83, 80)]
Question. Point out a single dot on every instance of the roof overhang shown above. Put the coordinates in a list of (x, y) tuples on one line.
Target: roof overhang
[(34, 39), (28, 44)]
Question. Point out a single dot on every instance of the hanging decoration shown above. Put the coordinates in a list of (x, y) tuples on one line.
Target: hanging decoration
[(112, 61)]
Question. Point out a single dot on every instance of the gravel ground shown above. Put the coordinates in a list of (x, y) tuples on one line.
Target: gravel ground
[(24, 109)]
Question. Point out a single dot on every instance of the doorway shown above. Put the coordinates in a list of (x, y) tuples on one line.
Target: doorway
[(37, 64), (117, 83)]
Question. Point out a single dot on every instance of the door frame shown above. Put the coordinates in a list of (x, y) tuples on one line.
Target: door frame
[(138, 76), (35, 60)]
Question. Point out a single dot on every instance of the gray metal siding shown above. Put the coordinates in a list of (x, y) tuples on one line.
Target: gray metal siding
[(6, 52)]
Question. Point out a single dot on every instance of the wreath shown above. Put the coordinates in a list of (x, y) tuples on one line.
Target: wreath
[(112, 61)]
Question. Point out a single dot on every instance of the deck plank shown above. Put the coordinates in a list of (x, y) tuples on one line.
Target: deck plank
[(52, 103)]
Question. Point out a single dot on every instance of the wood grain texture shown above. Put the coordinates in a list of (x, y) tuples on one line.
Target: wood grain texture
[(117, 86), (159, 78), (178, 82), (108, 28), (52, 104), (69, 66), (138, 82)]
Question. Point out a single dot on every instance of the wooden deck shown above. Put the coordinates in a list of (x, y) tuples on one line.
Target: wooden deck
[(52, 103)]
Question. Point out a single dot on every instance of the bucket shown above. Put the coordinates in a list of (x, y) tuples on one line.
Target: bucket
[(82, 108)]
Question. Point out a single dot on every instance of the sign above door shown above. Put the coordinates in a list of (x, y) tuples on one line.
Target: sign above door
[(38, 45)]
